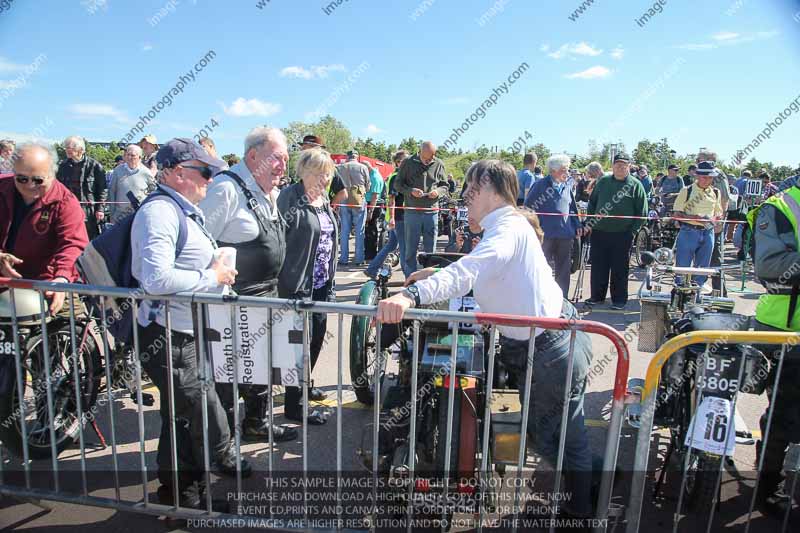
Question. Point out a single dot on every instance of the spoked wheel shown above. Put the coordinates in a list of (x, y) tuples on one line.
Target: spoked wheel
[(641, 243), (62, 383), (701, 481), (365, 363)]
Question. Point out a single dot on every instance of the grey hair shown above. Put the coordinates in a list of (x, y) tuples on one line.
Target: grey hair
[(27, 146), (594, 168), (262, 135), (557, 162), (430, 145), (74, 140), (136, 148)]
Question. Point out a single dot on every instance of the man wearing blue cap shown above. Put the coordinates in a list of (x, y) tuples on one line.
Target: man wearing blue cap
[(172, 252)]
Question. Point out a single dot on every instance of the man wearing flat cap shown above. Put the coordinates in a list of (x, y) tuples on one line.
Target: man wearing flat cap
[(616, 195)]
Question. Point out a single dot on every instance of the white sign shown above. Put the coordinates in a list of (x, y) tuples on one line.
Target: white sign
[(462, 214), (713, 428), (465, 304), (253, 329)]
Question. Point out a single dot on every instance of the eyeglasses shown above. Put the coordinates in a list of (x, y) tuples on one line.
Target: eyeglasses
[(206, 172), (24, 179)]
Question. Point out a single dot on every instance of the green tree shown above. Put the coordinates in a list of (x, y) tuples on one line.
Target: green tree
[(336, 135)]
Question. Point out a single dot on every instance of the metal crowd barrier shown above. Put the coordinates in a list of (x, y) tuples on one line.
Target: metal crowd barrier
[(197, 302), (649, 399)]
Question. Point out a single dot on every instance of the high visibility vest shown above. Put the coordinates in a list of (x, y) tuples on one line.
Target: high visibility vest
[(779, 308)]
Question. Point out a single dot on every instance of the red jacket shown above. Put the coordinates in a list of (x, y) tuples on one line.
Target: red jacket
[(52, 235)]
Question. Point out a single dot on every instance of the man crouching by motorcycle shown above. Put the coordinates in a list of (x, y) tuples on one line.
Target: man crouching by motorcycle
[(41, 223), (509, 261), (776, 251)]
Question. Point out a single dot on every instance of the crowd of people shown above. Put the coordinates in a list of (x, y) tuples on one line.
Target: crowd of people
[(184, 203)]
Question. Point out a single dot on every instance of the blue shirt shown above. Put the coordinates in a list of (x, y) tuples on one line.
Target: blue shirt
[(647, 183), (154, 235), (377, 185), (741, 185), (546, 196), (526, 180)]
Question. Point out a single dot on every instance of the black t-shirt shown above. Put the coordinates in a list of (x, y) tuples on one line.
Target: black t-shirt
[(687, 180), (20, 212), (337, 184), (399, 213)]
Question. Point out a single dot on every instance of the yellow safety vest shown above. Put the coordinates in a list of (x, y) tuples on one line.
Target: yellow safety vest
[(778, 310)]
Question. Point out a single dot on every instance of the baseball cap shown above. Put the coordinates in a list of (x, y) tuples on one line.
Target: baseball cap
[(352, 154), (149, 138), (622, 157), (707, 168), (673, 167), (118, 159), (176, 151)]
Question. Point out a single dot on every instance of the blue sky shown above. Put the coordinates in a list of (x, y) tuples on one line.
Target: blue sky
[(708, 73)]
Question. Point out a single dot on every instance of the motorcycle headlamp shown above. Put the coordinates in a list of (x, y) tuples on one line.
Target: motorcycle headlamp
[(664, 256)]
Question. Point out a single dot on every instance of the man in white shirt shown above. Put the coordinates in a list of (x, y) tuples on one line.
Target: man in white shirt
[(242, 213), (509, 261)]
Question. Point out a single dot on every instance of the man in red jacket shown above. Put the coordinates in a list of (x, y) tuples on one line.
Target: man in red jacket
[(41, 222)]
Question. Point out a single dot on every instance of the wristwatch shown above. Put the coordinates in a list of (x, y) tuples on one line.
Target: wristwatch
[(412, 292)]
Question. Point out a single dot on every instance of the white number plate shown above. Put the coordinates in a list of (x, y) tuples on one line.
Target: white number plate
[(461, 214), (713, 428), (6, 348)]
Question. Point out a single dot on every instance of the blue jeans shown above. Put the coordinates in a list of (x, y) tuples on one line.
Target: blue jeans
[(419, 224), (694, 248), (550, 359), (352, 216), (396, 240)]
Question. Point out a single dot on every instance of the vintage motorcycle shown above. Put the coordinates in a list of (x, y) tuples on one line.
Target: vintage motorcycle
[(658, 232), (434, 381), (698, 385), (53, 356)]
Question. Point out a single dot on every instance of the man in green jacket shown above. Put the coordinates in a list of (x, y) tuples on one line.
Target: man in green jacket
[(421, 180), (617, 194)]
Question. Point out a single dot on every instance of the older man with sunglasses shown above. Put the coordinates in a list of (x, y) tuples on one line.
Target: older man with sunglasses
[(41, 222)]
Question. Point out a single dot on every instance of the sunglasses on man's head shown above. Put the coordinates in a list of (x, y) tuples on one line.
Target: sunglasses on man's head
[(206, 172), (25, 179)]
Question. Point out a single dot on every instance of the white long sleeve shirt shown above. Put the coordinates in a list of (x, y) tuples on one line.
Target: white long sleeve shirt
[(507, 272)]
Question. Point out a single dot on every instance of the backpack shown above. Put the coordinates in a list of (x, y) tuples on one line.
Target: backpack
[(107, 261)]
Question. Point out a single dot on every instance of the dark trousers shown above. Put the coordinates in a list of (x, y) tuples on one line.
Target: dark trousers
[(785, 426), (319, 325), (610, 254), (550, 360), (372, 232), (717, 257), (189, 429), (559, 254)]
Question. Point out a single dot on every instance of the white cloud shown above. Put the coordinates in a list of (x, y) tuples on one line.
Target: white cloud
[(11, 84), (242, 107), (590, 73), (455, 100), (317, 71), (729, 39), (146, 47), (724, 36), (372, 129), (618, 52), (575, 49), (8, 66), (98, 111), (544, 48)]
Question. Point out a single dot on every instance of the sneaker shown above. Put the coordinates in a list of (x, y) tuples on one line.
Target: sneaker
[(258, 431), (706, 289), (618, 306), (592, 301), (226, 465)]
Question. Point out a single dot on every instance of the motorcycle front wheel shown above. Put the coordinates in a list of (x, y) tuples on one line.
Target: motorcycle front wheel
[(62, 384)]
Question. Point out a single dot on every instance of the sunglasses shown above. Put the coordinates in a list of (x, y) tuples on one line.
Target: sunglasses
[(206, 172), (24, 179)]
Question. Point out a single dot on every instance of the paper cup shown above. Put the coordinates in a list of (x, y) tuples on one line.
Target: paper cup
[(227, 255)]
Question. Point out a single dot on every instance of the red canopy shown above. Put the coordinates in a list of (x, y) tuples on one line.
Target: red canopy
[(384, 168)]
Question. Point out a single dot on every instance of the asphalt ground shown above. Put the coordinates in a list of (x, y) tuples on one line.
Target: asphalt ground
[(356, 420)]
